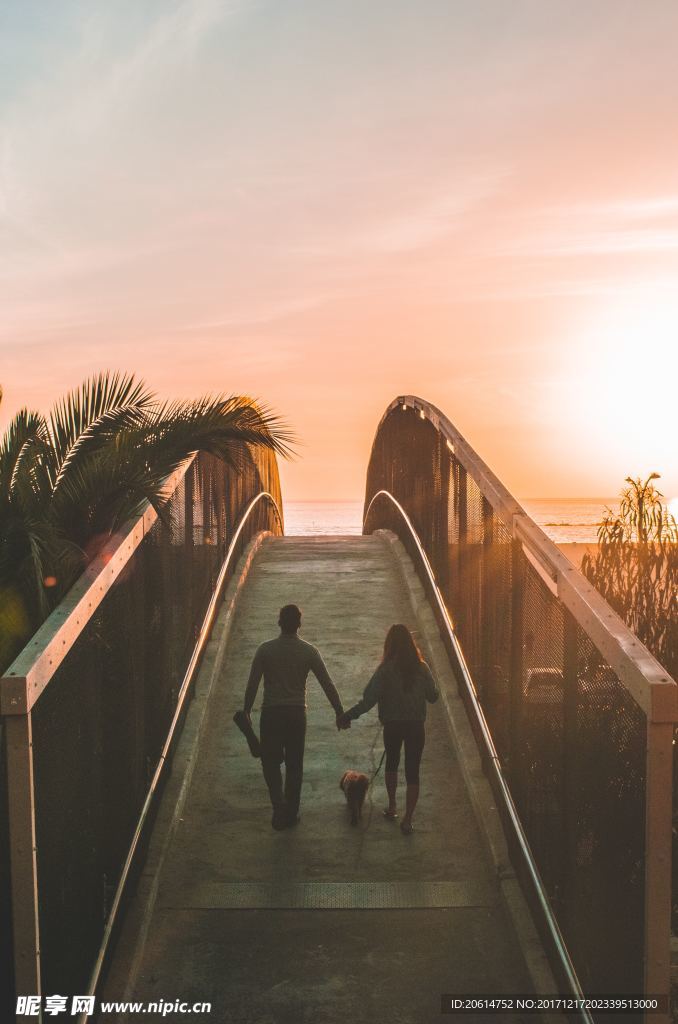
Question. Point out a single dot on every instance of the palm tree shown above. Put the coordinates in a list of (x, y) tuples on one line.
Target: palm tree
[(70, 480)]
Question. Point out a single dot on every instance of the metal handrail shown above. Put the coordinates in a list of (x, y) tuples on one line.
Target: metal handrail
[(181, 698), (492, 758)]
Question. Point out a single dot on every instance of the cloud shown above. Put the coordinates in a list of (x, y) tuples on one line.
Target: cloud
[(436, 217), (617, 227), (621, 209), (173, 38), (271, 313)]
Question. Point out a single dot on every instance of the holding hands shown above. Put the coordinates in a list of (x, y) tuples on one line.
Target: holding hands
[(343, 721)]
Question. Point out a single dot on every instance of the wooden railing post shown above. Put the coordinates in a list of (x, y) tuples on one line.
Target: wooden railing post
[(23, 854), (658, 837)]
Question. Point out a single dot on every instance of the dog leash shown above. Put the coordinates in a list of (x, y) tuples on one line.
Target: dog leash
[(368, 794), (376, 771)]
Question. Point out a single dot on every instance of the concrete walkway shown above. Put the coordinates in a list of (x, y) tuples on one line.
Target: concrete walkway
[(324, 922)]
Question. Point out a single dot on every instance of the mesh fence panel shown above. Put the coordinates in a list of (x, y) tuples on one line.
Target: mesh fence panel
[(100, 725), (6, 947), (570, 738)]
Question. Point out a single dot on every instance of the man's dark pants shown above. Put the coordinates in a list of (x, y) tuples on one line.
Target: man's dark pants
[(283, 734)]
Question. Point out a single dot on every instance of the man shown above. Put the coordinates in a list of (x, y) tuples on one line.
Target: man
[(285, 663)]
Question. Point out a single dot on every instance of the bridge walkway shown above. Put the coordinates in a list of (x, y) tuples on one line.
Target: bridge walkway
[(325, 922)]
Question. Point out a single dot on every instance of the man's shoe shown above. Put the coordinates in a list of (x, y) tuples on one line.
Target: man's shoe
[(292, 819), (280, 818)]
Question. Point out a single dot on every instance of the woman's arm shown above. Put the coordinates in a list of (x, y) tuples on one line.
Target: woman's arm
[(430, 689), (370, 697)]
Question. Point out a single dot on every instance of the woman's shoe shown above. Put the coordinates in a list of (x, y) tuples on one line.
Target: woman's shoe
[(406, 828), (390, 815)]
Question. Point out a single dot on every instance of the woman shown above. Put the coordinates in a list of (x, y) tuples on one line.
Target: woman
[(401, 685)]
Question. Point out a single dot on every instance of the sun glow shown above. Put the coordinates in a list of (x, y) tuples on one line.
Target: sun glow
[(622, 383)]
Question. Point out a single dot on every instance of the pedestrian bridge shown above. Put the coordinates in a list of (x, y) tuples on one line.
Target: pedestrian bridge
[(138, 862)]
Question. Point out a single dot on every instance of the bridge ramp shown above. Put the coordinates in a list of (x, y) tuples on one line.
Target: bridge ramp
[(324, 922)]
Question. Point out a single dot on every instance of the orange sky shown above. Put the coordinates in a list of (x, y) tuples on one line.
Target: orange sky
[(326, 205)]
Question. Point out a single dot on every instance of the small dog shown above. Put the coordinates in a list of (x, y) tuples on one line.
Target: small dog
[(354, 785)]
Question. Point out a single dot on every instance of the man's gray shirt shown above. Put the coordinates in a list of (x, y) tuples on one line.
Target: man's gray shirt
[(285, 663)]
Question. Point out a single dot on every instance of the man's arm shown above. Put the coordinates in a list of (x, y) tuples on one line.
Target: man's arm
[(256, 672), (322, 675)]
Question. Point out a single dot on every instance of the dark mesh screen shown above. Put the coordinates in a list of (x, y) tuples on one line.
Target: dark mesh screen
[(7, 1002), (570, 738), (100, 725)]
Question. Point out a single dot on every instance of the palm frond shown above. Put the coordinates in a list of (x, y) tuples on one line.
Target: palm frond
[(99, 434), (220, 426), (92, 414), (104, 491), (26, 435)]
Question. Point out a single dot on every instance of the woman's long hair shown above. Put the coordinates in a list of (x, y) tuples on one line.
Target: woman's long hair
[(401, 650)]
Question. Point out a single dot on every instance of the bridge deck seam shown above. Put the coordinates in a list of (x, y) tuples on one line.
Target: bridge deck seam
[(336, 896)]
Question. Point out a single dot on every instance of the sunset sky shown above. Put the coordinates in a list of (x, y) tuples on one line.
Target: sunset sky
[(327, 203)]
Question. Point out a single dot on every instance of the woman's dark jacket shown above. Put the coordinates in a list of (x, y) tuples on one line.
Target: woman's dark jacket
[(400, 699)]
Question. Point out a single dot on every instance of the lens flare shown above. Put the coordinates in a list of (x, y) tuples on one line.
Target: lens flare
[(13, 623)]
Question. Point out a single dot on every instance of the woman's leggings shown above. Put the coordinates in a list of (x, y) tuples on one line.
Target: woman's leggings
[(413, 735)]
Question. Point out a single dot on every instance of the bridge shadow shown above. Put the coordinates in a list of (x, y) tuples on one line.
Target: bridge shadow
[(323, 922)]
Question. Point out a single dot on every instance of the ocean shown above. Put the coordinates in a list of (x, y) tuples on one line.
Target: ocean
[(565, 520)]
